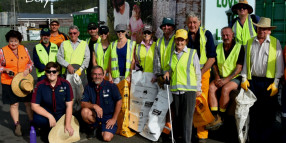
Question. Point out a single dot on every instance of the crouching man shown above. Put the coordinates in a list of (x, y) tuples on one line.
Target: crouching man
[(101, 104), (229, 62)]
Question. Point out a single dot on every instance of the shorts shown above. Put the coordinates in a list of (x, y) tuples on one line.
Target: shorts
[(102, 123), (237, 80), (8, 97)]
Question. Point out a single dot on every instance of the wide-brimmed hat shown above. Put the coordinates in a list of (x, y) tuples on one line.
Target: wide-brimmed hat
[(22, 86), (167, 21), (181, 33), (57, 134), (240, 4), (264, 23)]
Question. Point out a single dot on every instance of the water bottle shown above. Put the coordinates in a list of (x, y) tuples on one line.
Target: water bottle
[(33, 137)]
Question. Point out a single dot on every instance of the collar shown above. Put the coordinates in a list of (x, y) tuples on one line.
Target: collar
[(78, 40), (45, 46), (47, 82), (184, 50), (267, 39), (103, 83), (150, 43), (170, 37)]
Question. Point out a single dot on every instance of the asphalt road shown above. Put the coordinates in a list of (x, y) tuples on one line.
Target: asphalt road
[(7, 125)]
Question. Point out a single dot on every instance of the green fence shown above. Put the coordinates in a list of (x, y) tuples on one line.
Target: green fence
[(82, 21), (64, 30), (3, 31), (276, 10)]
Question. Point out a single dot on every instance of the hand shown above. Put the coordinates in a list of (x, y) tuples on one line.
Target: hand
[(78, 72), (216, 81), (153, 79), (128, 78), (221, 82), (69, 129), (110, 123), (198, 93), (52, 121), (274, 89), (166, 76), (9, 72), (244, 84), (70, 69), (98, 110), (26, 72)]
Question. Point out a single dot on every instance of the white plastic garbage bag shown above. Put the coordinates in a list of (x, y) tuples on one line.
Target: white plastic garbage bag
[(77, 89), (244, 101), (143, 94), (157, 114)]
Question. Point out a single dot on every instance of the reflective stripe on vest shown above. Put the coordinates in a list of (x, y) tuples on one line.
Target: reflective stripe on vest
[(74, 56), (203, 41), (146, 58), (227, 66), (114, 58), (183, 76), (45, 57), (98, 40), (165, 52), (271, 63), (102, 58), (242, 34), (13, 63)]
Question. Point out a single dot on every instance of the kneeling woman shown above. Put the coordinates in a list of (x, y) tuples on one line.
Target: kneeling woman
[(52, 98), (185, 85)]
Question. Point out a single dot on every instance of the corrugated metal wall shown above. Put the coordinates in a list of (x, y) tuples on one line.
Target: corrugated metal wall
[(3, 31), (183, 8)]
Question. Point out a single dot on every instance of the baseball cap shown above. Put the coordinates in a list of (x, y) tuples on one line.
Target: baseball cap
[(92, 25), (147, 28), (45, 31), (55, 20), (121, 27), (181, 33), (103, 30)]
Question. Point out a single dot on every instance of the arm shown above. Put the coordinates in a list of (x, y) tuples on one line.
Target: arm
[(207, 65), (41, 111), (86, 59), (196, 64), (116, 97), (279, 61), (94, 63), (210, 52), (61, 56), (157, 62), (30, 64), (68, 118)]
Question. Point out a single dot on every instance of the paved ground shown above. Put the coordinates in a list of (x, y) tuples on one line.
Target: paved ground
[(7, 127)]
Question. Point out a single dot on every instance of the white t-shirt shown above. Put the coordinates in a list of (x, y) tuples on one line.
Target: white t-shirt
[(121, 18)]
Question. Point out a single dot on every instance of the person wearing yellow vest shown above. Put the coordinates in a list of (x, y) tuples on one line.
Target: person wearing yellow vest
[(201, 40), (101, 51), (121, 58), (228, 65), (164, 45), (15, 58), (57, 37), (144, 53), (262, 70), (92, 30), (185, 86), (43, 53), (73, 51), (242, 26)]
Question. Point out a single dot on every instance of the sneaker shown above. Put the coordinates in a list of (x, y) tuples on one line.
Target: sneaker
[(91, 133), (18, 131), (215, 124)]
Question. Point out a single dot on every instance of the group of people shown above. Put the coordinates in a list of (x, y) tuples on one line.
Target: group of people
[(249, 57)]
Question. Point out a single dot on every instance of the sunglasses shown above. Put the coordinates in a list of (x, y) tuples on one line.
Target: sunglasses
[(45, 34), (147, 32), (51, 71), (242, 7), (72, 33), (121, 31), (105, 33), (92, 28)]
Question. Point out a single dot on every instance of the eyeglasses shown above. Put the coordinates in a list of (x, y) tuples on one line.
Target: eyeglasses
[(121, 31), (51, 71), (72, 33), (97, 74), (147, 32)]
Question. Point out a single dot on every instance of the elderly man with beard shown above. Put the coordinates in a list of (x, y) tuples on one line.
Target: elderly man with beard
[(101, 104), (43, 53)]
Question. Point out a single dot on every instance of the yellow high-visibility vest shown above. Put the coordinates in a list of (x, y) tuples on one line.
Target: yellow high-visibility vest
[(102, 58), (146, 58), (242, 34)]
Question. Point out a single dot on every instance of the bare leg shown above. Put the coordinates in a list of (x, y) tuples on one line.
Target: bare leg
[(226, 89), (14, 111), (107, 136), (88, 116), (212, 95), (29, 110)]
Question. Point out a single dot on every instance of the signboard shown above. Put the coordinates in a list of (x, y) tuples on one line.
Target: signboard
[(218, 14)]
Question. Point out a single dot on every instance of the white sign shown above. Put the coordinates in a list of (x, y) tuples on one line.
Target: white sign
[(41, 1), (216, 15)]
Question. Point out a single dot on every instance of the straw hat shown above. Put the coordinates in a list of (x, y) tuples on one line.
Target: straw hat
[(240, 4), (22, 86), (264, 23), (57, 134)]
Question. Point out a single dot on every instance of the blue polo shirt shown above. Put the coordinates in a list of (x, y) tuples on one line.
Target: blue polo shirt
[(109, 95), (43, 93)]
